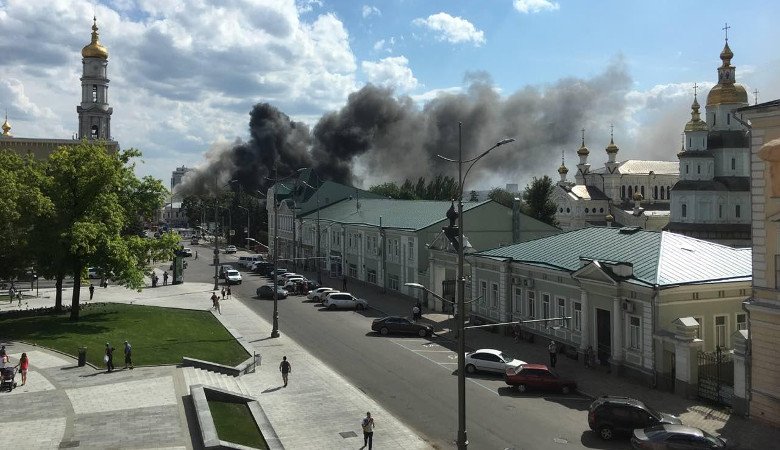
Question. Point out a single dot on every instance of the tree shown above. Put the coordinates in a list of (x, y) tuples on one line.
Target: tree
[(501, 196), (538, 200), (440, 187)]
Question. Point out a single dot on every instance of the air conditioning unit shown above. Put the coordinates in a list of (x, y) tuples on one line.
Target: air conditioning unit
[(528, 282), (628, 306)]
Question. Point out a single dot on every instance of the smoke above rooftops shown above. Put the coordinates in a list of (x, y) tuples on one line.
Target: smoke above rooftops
[(378, 136)]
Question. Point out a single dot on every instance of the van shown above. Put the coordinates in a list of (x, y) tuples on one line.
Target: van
[(247, 261)]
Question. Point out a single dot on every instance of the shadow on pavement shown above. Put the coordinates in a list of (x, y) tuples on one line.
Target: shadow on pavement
[(269, 390), (590, 439)]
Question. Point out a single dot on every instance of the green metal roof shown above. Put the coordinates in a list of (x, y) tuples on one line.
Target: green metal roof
[(330, 192), (661, 258), (401, 214)]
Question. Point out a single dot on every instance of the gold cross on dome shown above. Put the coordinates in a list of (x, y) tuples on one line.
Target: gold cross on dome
[(726, 28)]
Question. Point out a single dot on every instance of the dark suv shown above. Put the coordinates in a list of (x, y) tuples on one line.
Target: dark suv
[(609, 416)]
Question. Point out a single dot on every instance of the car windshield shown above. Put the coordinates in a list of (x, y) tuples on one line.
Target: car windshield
[(232, 273), (505, 357)]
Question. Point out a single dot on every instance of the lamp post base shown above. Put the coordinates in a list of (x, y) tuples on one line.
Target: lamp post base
[(275, 333)]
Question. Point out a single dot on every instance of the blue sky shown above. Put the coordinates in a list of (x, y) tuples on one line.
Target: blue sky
[(184, 74)]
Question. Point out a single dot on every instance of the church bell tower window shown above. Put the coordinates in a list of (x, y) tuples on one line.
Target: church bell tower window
[(94, 93), (94, 132)]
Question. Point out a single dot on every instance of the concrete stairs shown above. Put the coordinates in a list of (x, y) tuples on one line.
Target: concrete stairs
[(207, 378)]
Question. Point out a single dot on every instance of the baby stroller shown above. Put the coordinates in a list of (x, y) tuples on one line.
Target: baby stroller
[(7, 382)]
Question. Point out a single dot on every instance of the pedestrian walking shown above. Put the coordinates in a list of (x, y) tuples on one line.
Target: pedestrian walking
[(24, 364), (128, 355), (19, 298), (553, 350), (91, 291), (154, 280), (285, 368), (11, 294), (109, 357), (344, 283), (3, 353), (590, 357), (165, 278), (368, 430), (217, 307), (229, 294), (223, 292), (214, 300), (415, 312), (196, 254)]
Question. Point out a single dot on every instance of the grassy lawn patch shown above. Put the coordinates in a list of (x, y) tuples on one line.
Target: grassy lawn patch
[(235, 424), (158, 335)]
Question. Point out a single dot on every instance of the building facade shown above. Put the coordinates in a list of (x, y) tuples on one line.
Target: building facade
[(712, 199), (94, 110), (764, 305)]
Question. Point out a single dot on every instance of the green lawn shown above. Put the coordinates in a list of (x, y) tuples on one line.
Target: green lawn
[(158, 335), (235, 424)]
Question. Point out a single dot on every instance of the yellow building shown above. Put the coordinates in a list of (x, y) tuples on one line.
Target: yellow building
[(764, 306), (94, 111)]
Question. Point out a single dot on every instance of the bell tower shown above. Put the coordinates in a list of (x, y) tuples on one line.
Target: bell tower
[(94, 110)]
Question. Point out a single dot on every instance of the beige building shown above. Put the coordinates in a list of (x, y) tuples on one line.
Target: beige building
[(764, 306)]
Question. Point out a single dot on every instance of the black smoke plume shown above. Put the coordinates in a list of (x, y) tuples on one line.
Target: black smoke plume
[(378, 136)]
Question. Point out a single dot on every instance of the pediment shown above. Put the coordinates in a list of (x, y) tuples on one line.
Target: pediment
[(594, 272)]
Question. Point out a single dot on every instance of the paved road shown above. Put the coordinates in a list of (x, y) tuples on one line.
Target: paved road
[(414, 378)]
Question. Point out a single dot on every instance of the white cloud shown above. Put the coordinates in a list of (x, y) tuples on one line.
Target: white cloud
[(535, 6), (181, 77), (385, 45), (305, 6), (452, 29), (392, 71), (433, 94), (371, 11)]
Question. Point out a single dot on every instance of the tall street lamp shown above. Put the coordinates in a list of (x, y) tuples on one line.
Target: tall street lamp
[(317, 254), (462, 440), (247, 219)]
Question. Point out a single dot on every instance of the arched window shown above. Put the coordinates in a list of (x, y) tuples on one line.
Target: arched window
[(94, 93), (561, 210), (698, 168), (655, 192), (601, 210), (586, 210), (94, 132), (630, 193), (643, 191), (623, 191), (736, 211), (686, 169), (662, 192), (733, 163), (684, 210), (713, 119)]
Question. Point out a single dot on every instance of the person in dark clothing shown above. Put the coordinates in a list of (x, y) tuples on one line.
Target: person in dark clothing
[(285, 368), (128, 355), (368, 430), (553, 350), (165, 278), (109, 357), (91, 290)]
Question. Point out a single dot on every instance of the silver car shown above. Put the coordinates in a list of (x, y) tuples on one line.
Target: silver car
[(344, 300), (490, 360)]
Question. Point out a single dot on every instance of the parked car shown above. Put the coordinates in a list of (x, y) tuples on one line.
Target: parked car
[(247, 261), (537, 376), (231, 249), (186, 252), (311, 285), (233, 276), (397, 324), (280, 271), (318, 294), (267, 291), (673, 437), (194, 240), (344, 300), (224, 268), (292, 283), (262, 267), (490, 360), (609, 416)]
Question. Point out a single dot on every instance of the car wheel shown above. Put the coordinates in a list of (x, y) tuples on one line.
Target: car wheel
[(522, 387), (605, 432), (470, 368), (332, 307), (359, 307), (565, 390), (423, 332), (384, 331)]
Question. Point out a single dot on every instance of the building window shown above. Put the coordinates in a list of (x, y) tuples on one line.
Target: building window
[(353, 270), (483, 290), (733, 164), (623, 191), (410, 256), (700, 330), (94, 93), (713, 119), (601, 210), (684, 210), (630, 193), (736, 210), (642, 190), (686, 169), (586, 210), (577, 316), (371, 276), (634, 333), (494, 295), (720, 331), (655, 192), (662, 192), (728, 116), (741, 321), (392, 282), (561, 307), (518, 304), (720, 211), (531, 304), (545, 306)]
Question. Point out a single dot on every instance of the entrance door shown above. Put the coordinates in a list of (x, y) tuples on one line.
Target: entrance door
[(603, 335)]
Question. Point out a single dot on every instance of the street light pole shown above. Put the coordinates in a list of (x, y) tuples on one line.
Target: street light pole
[(275, 330), (247, 219), (462, 439), (216, 242), (317, 254)]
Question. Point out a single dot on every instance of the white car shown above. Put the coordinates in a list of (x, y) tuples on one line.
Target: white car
[(92, 272), (231, 249), (344, 300), (292, 283), (317, 294), (233, 276), (490, 360)]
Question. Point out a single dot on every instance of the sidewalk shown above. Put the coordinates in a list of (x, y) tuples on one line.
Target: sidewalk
[(739, 431), (66, 406)]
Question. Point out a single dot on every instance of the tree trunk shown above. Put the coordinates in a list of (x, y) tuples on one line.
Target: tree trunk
[(74, 306), (58, 292)]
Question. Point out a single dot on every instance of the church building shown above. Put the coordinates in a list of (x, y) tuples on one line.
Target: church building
[(712, 199), (94, 111)]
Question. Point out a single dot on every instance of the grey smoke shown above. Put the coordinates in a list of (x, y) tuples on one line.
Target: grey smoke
[(379, 136)]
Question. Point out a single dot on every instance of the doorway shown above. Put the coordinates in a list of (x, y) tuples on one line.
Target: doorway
[(603, 335)]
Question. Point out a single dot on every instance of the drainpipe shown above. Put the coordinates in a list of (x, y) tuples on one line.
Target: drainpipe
[(655, 308)]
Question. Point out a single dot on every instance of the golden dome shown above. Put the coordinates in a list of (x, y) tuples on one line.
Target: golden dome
[(695, 124), (562, 170), (638, 197), (726, 55), (610, 218), (583, 151), (94, 49), (612, 148), (727, 93), (6, 127)]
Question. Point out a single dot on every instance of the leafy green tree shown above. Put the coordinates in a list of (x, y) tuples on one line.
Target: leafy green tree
[(501, 196), (21, 204), (538, 198)]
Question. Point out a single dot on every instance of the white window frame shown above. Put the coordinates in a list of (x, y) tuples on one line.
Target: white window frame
[(741, 324), (560, 310), (392, 282), (494, 295), (577, 316), (634, 332), (518, 300), (725, 330), (410, 246), (545, 306), (371, 276), (483, 291), (531, 296)]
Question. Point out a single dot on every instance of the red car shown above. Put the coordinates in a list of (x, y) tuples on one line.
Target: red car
[(537, 376)]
